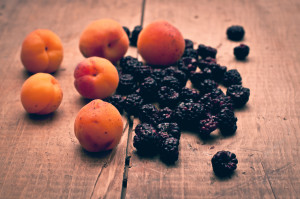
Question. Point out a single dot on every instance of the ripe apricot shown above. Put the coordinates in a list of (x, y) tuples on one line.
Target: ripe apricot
[(104, 38), (160, 43), (42, 51), (41, 94), (96, 78), (98, 126)]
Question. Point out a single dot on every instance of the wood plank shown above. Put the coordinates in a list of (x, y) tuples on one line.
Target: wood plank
[(267, 140), (40, 156)]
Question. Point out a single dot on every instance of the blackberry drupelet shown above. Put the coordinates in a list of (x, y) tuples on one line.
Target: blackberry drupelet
[(175, 72), (227, 121), (238, 94), (189, 94), (134, 35), (127, 84), (241, 51), (164, 115), (117, 101), (141, 72), (167, 97), (132, 104), (126, 29), (188, 43), (172, 129), (148, 89), (235, 33), (147, 114), (190, 52), (208, 125), (232, 77), (170, 150), (206, 51), (187, 65), (145, 139), (224, 163)]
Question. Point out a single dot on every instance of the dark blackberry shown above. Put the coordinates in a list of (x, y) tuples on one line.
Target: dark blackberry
[(164, 115), (127, 31), (128, 64), (207, 99), (132, 104), (206, 86), (232, 77), (127, 84), (167, 97), (188, 43), (220, 103), (141, 72), (147, 113), (180, 75), (145, 139), (158, 75), (210, 60), (227, 121), (187, 94), (208, 125), (217, 71), (241, 51), (235, 33), (172, 129), (187, 65), (190, 52), (170, 150), (238, 94), (197, 77), (171, 82), (134, 35), (224, 163), (116, 100), (206, 51), (148, 89), (161, 136)]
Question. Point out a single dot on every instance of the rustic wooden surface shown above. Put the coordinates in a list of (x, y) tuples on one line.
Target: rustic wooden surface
[(41, 158)]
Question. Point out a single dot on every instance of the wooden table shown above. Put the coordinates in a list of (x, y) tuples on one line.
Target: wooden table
[(41, 158)]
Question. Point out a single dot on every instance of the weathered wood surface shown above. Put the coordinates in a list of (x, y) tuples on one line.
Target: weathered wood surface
[(41, 158)]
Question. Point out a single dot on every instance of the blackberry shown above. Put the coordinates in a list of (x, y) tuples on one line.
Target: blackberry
[(224, 163), (127, 31), (187, 65), (148, 89), (235, 33), (116, 100), (132, 104), (187, 94), (232, 77), (208, 125), (164, 115), (241, 51), (158, 75), (127, 84), (220, 103), (217, 71), (238, 94), (128, 64), (206, 86), (141, 72), (172, 129), (207, 99), (167, 97), (206, 51), (227, 121), (197, 77), (188, 43), (147, 113), (161, 136), (210, 60), (170, 150), (190, 52), (180, 75), (134, 35), (145, 139)]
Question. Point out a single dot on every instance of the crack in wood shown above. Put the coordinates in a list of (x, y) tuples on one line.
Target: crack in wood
[(268, 179)]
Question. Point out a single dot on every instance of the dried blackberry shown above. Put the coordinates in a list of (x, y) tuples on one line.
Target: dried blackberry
[(206, 51), (158, 75), (238, 94), (217, 71), (189, 94), (145, 139), (207, 99), (175, 72), (127, 84), (190, 52), (147, 113), (232, 77), (170, 150), (171, 82), (172, 129), (227, 121), (235, 33), (132, 104), (164, 115), (148, 89), (220, 103), (188, 43), (167, 97), (141, 72), (116, 100), (127, 31), (128, 64), (206, 86), (224, 163), (134, 35), (198, 77), (208, 125), (241, 51), (187, 65)]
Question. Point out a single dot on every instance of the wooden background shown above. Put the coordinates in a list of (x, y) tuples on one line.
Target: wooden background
[(41, 158)]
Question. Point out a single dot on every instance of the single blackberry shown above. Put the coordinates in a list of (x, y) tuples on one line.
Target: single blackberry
[(148, 89), (134, 35), (172, 129), (220, 103), (241, 51), (232, 77), (190, 52), (198, 77), (206, 51), (207, 99), (187, 65), (208, 125), (164, 115), (180, 75), (187, 94), (147, 113), (161, 136), (235, 33), (170, 150), (217, 71), (188, 43), (128, 64), (227, 121), (224, 163), (145, 139), (127, 84), (158, 74), (127, 31), (132, 104), (141, 72), (116, 100), (167, 97), (238, 94), (206, 86)]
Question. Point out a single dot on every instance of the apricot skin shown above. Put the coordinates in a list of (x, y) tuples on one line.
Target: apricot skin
[(104, 38), (160, 44), (41, 94), (98, 126), (42, 51)]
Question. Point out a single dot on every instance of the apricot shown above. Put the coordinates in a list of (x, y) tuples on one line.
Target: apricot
[(104, 38), (41, 94), (42, 51), (98, 126), (160, 43), (96, 78)]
